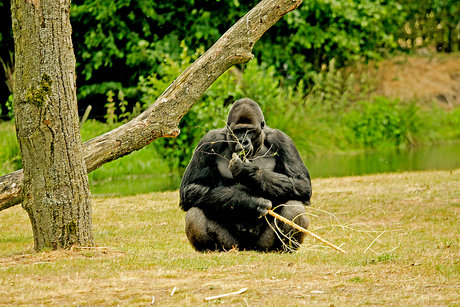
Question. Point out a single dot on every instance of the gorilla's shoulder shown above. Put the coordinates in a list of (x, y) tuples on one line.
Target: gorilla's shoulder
[(277, 137), (215, 135), (281, 143)]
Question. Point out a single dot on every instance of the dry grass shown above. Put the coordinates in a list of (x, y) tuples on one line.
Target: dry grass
[(401, 231)]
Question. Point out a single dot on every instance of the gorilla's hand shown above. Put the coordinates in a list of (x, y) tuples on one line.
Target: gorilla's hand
[(262, 205), (238, 167)]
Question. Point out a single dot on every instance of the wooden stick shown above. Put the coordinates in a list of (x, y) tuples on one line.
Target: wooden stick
[(308, 232), (224, 295)]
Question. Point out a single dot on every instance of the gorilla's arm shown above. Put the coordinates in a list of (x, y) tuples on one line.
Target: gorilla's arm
[(289, 180), (203, 186), (222, 200)]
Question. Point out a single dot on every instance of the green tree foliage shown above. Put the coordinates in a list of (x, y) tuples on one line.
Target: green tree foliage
[(6, 49), (117, 42), (319, 31), (434, 23)]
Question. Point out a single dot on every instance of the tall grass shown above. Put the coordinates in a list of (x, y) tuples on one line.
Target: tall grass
[(10, 157), (145, 163), (140, 163)]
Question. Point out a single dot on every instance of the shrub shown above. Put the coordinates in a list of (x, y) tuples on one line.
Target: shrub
[(384, 121)]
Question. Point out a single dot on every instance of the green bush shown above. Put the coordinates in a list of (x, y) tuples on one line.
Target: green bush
[(385, 121), (285, 107), (446, 123), (453, 120)]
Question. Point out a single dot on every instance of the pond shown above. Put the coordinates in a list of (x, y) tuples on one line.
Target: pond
[(440, 157)]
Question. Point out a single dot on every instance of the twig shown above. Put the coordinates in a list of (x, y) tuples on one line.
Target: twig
[(376, 238), (174, 290), (285, 220), (224, 295), (85, 116), (278, 233)]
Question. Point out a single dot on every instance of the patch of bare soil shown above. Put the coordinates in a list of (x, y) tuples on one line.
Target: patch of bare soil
[(426, 79)]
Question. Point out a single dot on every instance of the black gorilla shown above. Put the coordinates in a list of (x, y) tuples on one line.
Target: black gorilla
[(235, 175)]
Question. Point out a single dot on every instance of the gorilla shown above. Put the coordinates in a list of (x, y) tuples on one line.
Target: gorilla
[(235, 175)]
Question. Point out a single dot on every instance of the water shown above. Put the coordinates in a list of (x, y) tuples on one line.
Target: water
[(135, 185), (440, 157)]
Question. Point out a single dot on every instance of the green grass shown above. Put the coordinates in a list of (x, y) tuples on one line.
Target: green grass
[(10, 157), (144, 162), (400, 230)]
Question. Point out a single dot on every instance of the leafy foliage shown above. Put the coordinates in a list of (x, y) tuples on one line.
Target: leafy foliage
[(117, 42), (208, 113), (433, 23), (320, 31), (385, 121)]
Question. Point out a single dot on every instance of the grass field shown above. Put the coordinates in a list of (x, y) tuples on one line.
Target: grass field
[(401, 231)]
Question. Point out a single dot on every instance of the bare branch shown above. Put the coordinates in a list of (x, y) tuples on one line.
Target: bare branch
[(10, 189)]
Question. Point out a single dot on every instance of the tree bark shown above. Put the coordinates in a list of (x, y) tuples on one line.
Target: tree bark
[(55, 191), (162, 117)]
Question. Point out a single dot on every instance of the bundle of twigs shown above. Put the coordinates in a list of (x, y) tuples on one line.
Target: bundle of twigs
[(308, 232)]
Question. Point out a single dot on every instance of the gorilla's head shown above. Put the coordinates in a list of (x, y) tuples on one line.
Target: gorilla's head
[(245, 124)]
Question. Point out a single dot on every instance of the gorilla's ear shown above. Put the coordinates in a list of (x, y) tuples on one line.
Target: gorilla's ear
[(262, 124)]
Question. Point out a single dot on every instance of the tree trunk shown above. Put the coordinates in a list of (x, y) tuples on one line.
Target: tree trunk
[(162, 117), (55, 190)]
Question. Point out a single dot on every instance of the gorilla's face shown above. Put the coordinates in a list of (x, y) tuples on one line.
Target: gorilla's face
[(245, 127), (245, 139)]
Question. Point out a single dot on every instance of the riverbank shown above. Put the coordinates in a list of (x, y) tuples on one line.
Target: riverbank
[(400, 103), (400, 230)]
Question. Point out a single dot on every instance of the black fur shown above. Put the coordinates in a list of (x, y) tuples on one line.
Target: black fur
[(225, 196)]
